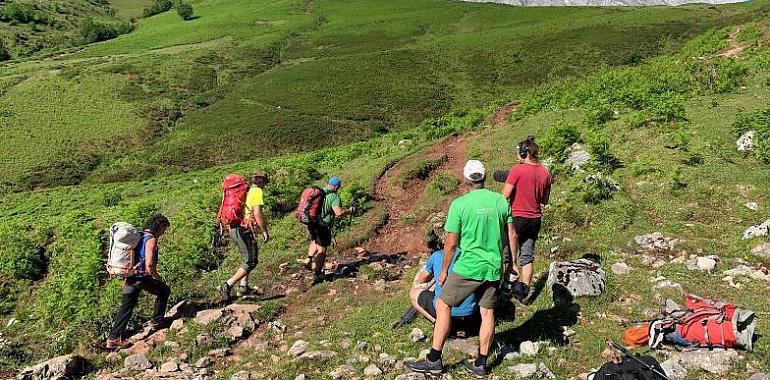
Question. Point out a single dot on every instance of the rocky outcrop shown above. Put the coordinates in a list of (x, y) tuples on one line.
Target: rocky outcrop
[(62, 367), (582, 277)]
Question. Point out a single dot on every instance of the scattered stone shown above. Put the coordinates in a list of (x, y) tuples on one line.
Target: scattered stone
[(204, 317), (582, 277), (61, 367), (702, 263), (745, 271), (411, 376), (346, 343), (362, 346), (204, 362), (717, 361), (219, 352), (758, 230), (577, 157), (417, 335), (242, 375), (661, 282), (655, 242), (753, 206), (379, 286), (137, 362), (301, 376), (524, 370), (316, 355), (762, 250), (377, 348), (181, 309), (759, 376), (169, 367), (674, 369), (621, 269), (298, 348), (204, 340), (528, 348), (236, 332), (372, 370), (746, 141), (342, 371), (387, 360), (544, 372), (423, 354), (177, 324)]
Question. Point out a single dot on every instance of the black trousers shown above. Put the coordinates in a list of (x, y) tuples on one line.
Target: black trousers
[(131, 291)]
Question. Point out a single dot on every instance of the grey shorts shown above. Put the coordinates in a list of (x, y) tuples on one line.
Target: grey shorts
[(456, 289), (244, 238), (527, 231)]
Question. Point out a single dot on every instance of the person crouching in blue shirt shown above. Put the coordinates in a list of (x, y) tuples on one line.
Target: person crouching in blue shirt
[(466, 316)]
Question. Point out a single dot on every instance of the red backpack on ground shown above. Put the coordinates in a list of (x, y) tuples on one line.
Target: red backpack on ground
[(311, 204), (710, 324), (234, 191)]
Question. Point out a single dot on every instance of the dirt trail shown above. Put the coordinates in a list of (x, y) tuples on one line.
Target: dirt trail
[(735, 47), (398, 235), (503, 113)]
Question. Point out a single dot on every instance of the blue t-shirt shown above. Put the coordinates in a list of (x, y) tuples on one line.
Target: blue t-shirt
[(141, 255), (433, 266)]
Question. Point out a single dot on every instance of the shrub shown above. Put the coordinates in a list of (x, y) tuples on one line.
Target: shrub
[(5, 54), (20, 257), (595, 188), (185, 11), (453, 122), (759, 122), (599, 146), (93, 31), (645, 165), (160, 6), (556, 141), (444, 183), (676, 182)]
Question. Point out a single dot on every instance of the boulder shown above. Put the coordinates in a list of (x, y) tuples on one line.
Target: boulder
[(706, 263), (181, 309), (298, 348), (760, 376), (137, 362), (762, 251), (467, 346), (758, 230), (372, 370), (169, 367), (544, 372), (204, 317), (411, 376), (67, 366), (177, 324), (316, 355), (746, 141), (342, 372), (753, 206), (204, 340), (582, 277), (528, 348), (674, 369), (387, 360), (204, 362), (577, 157), (417, 335), (236, 332), (219, 353), (524, 370), (717, 362), (621, 269)]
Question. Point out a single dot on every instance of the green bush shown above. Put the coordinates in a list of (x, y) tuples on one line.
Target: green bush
[(185, 11), (158, 7), (453, 122), (93, 31), (644, 165), (5, 54), (556, 141), (599, 146), (595, 188), (759, 122), (20, 257), (443, 184)]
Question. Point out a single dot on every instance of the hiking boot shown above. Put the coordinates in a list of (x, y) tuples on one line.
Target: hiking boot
[(245, 290), (115, 344), (158, 325), (225, 289), (478, 372), (427, 366), (318, 278)]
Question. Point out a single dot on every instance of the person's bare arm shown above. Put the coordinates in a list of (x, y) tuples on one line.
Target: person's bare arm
[(507, 191), (547, 195), (260, 219), (149, 260), (424, 277), (450, 247), (513, 247), (339, 211)]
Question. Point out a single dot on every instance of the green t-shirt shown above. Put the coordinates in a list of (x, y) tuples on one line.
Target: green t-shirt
[(331, 201), (480, 217)]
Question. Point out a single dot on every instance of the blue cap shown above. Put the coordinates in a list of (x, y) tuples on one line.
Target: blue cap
[(335, 181)]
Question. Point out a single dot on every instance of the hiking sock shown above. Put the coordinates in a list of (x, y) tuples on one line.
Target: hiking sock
[(230, 283), (481, 360), (433, 355)]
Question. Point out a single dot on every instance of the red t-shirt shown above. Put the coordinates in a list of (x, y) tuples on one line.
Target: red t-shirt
[(531, 188)]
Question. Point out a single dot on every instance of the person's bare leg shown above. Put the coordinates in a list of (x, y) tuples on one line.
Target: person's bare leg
[(487, 330), (526, 274), (245, 280), (238, 276), (414, 294), (443, 325), (319, 259)]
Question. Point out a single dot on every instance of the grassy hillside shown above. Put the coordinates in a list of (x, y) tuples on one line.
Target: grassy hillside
[(251, 79), (664, 130)]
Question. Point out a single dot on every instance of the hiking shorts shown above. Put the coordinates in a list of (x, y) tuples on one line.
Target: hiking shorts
[(456, 289), (247, 244), (320, 234), (527, 230), (425, 300)]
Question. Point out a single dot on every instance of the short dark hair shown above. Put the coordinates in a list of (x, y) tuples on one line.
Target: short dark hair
[(155, 222), (531, 146)]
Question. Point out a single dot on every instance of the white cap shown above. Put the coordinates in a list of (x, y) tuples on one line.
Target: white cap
[(474, 170)]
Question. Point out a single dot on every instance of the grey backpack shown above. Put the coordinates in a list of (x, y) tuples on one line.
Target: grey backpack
[(124, 238)]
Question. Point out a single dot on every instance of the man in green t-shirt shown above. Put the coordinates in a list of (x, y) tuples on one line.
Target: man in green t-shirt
[(480, 223), (321, 233)]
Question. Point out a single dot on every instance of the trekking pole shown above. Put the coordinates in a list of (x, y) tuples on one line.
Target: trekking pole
[(646, 366), (406, 318)]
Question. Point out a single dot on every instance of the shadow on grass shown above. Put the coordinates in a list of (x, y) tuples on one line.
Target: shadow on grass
[(544, 325)]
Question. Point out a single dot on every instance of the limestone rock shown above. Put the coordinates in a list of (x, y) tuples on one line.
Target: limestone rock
[(582, 277), (654, 242), (301, 376), (204, 317), (66, 366), (758, 230), (706, 263), (544, 372), (372, 370), (528, 348), (577, 157), (717, 361), (113, 357), (236, 332), (746, 141), (753, 206), (387, 360), (177, 324), (204, 362), (417, 335), (169, 367), (219, 352), (760, 376), (411, 376), (621, 269), (316, 355), (674, 369), (242, 375), (298, 348), (762, 250), (362, 346), (467, 346), (204, 340), (137, 362), (524, 370), (342, 372)]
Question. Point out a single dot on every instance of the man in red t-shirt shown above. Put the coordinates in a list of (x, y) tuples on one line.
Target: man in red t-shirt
[(527, 187)]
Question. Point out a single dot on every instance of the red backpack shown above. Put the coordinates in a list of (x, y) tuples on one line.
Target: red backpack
[(311, 204), (710, 323), (235, 188)]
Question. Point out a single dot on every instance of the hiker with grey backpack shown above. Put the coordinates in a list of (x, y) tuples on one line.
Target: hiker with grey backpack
[(134, 255)]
